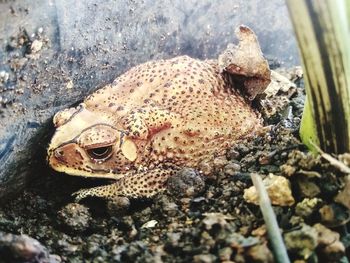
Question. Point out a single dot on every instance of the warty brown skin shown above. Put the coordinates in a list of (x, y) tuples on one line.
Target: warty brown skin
[(155, 118)]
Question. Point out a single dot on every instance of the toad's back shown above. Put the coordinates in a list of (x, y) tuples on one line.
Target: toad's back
[(158, 117), (191, 110)]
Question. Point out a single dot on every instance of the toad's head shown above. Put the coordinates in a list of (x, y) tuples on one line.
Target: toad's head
[(89, 143)]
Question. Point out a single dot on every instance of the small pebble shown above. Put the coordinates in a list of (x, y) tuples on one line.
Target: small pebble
[(278, 189), (331, 248), (242, 149), (21, 248), (307, 188), (232, 154), (69, 84), (302, 241), (307, 207), (75, 216), (232, 168), (288, 170), (186, 183), (167, 206), (150, 224), (334, 215), (4, 76), (343, 197), (225, 254), (36, 46), (118, 206), (204, 258), (259, 253)]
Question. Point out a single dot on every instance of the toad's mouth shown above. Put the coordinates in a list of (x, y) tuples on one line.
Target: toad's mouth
[(87, 171)]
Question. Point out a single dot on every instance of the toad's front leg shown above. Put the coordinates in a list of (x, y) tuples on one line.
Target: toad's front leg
[(141, 184)]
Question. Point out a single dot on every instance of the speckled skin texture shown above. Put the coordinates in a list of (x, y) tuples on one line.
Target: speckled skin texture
[(150, 121), (179, 110)]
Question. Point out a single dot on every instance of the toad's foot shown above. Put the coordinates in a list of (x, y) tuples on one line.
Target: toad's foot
[(143, 184)]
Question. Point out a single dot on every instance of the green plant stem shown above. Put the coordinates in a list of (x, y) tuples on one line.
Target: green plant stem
[(322, 30)]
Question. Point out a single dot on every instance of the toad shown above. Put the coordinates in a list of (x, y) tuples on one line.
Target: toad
[(160, 116)]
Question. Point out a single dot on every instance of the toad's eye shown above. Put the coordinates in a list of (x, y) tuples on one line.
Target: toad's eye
[(100, 153)]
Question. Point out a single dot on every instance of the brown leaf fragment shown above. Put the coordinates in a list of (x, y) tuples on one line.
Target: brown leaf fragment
[(245, 63)]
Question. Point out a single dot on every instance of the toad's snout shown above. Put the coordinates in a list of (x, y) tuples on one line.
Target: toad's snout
[(59, 155), (56, 156), (65, 154)]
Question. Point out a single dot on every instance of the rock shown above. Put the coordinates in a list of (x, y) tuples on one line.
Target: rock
[(22, 248), (242, 149), (232, 154), (265, 158), (225, 254), (118, 206), (40, 30), (205, 167), (302, 241), (305, 161), (288, 170), (332, 250), (295, 221), (343, 197), (150, 224), (232, 168), (219, 162), (69, 84), (334, 215), (127, 225), (307, 207), (209, 166), (260, 231), (75, 216), (279, 84), (204, 258), (259, 254), (36, 46), (307, 187), (4, 76), (173, 239), (186, 183), (167, 206), (135, 252), (215, 219), (278, 189), (273, 104)]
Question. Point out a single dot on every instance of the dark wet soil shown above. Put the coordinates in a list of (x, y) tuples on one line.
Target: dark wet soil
[(211, 222)]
